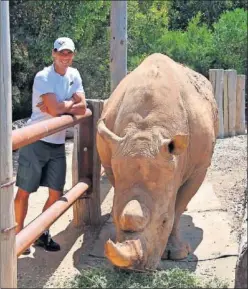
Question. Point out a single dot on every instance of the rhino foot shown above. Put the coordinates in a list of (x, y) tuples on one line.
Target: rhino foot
[(176, 249)]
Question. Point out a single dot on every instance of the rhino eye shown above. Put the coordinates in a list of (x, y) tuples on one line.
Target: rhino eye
[(171, 147)]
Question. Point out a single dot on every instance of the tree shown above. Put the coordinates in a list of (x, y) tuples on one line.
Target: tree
[(180, 12), (230, 40)]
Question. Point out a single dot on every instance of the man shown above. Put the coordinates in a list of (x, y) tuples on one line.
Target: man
[(57, 90)]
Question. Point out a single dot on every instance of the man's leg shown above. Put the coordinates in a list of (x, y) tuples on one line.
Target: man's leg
[(45, 239), (52, 198), (54, 178), (21, 208)]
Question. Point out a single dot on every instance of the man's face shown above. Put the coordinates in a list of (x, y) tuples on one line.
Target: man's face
[(63, 58)]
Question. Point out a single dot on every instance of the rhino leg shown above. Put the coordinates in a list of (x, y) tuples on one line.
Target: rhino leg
[(110, 175), (176, 248)]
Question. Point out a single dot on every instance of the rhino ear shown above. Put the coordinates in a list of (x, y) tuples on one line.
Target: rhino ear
[(177, 145)]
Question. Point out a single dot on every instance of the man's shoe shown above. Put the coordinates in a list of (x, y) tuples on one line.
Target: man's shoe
[(47, 242)]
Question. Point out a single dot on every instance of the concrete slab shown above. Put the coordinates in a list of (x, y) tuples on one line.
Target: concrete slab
[(204, 200), (208, 234)]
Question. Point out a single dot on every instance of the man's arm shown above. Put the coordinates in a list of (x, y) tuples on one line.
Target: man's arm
[(75, 105), (53, 107), (80, 104)]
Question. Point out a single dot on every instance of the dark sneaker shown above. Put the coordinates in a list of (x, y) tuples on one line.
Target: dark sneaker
[(47, 242), (26, 252)]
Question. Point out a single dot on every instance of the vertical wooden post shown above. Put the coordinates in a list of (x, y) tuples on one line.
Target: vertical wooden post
[(240, 105), (231, 84), (86, 164), (8, 258), (225, 105), (118, 47), (216, 77)]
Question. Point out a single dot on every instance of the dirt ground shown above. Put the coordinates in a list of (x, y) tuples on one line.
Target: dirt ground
[(227, 174)]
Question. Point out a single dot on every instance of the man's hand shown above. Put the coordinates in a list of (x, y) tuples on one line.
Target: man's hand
[(77, 98), (80, 104), (41, 105)]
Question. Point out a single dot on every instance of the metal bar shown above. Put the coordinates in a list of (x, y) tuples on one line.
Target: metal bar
[(31, 133), (33, 230)]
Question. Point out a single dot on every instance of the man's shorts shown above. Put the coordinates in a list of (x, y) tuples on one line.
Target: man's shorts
[(41, 164)]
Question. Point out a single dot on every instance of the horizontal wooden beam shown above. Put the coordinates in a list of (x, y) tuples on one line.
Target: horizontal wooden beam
[(33, 230), (31, 133)]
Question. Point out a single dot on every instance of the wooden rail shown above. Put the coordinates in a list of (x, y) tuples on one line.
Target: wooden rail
[(33, 230), (29, 134), (86, 166)]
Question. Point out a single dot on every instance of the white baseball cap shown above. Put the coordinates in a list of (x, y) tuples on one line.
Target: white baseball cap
[(64, 43)]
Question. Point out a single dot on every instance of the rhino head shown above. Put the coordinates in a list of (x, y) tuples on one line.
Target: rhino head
[(146, 174)]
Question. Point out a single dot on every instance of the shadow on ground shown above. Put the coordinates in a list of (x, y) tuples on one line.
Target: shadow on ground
[(42, 263), (92, 254)]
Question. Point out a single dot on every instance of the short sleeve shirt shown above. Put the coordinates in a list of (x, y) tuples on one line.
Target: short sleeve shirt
[(49, 81)]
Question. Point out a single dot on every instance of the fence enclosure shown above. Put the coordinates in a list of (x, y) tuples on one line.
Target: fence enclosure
[(229, 92)]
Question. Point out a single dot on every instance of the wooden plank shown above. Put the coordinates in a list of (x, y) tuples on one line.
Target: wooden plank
[(86, 163), (118, 46), (8, 260), (225, 105), (81, 167), (232, 84), (94, 201), (240, 105), (216, 77)]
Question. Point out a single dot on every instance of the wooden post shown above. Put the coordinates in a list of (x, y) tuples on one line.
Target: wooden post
[(231, 91), (225, 105), (86, 164), (8, 258), (216, 77), (240, 105), (118, 47)]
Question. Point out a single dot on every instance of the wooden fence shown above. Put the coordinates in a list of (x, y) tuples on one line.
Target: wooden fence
[(229, 91), (86, 170)]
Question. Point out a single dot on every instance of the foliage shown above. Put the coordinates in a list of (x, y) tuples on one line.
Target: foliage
[(230, 40), (147, 22), (34, 27), (200, 34), (180, 12), (192, 47), (109, 278)]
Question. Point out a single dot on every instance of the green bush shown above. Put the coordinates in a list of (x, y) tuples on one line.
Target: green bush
[(230, 41), (192, 47)]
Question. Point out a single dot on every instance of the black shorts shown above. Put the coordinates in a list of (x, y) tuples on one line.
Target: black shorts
[(41, 164)]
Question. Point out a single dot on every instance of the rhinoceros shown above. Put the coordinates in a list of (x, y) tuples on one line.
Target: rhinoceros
[(155, 139)]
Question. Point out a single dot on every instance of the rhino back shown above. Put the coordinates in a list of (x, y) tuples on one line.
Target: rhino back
[(168, 95)]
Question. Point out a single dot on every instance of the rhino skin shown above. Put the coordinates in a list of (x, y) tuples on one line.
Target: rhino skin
[(155, 139)]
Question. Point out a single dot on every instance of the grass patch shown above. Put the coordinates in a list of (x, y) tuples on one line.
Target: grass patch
[(110, 278)]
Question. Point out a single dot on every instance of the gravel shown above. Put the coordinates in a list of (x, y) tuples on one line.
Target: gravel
[(228, 174)]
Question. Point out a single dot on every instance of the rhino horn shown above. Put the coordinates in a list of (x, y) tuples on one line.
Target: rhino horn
[(125, 254), (135, 216), (106, 133)]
